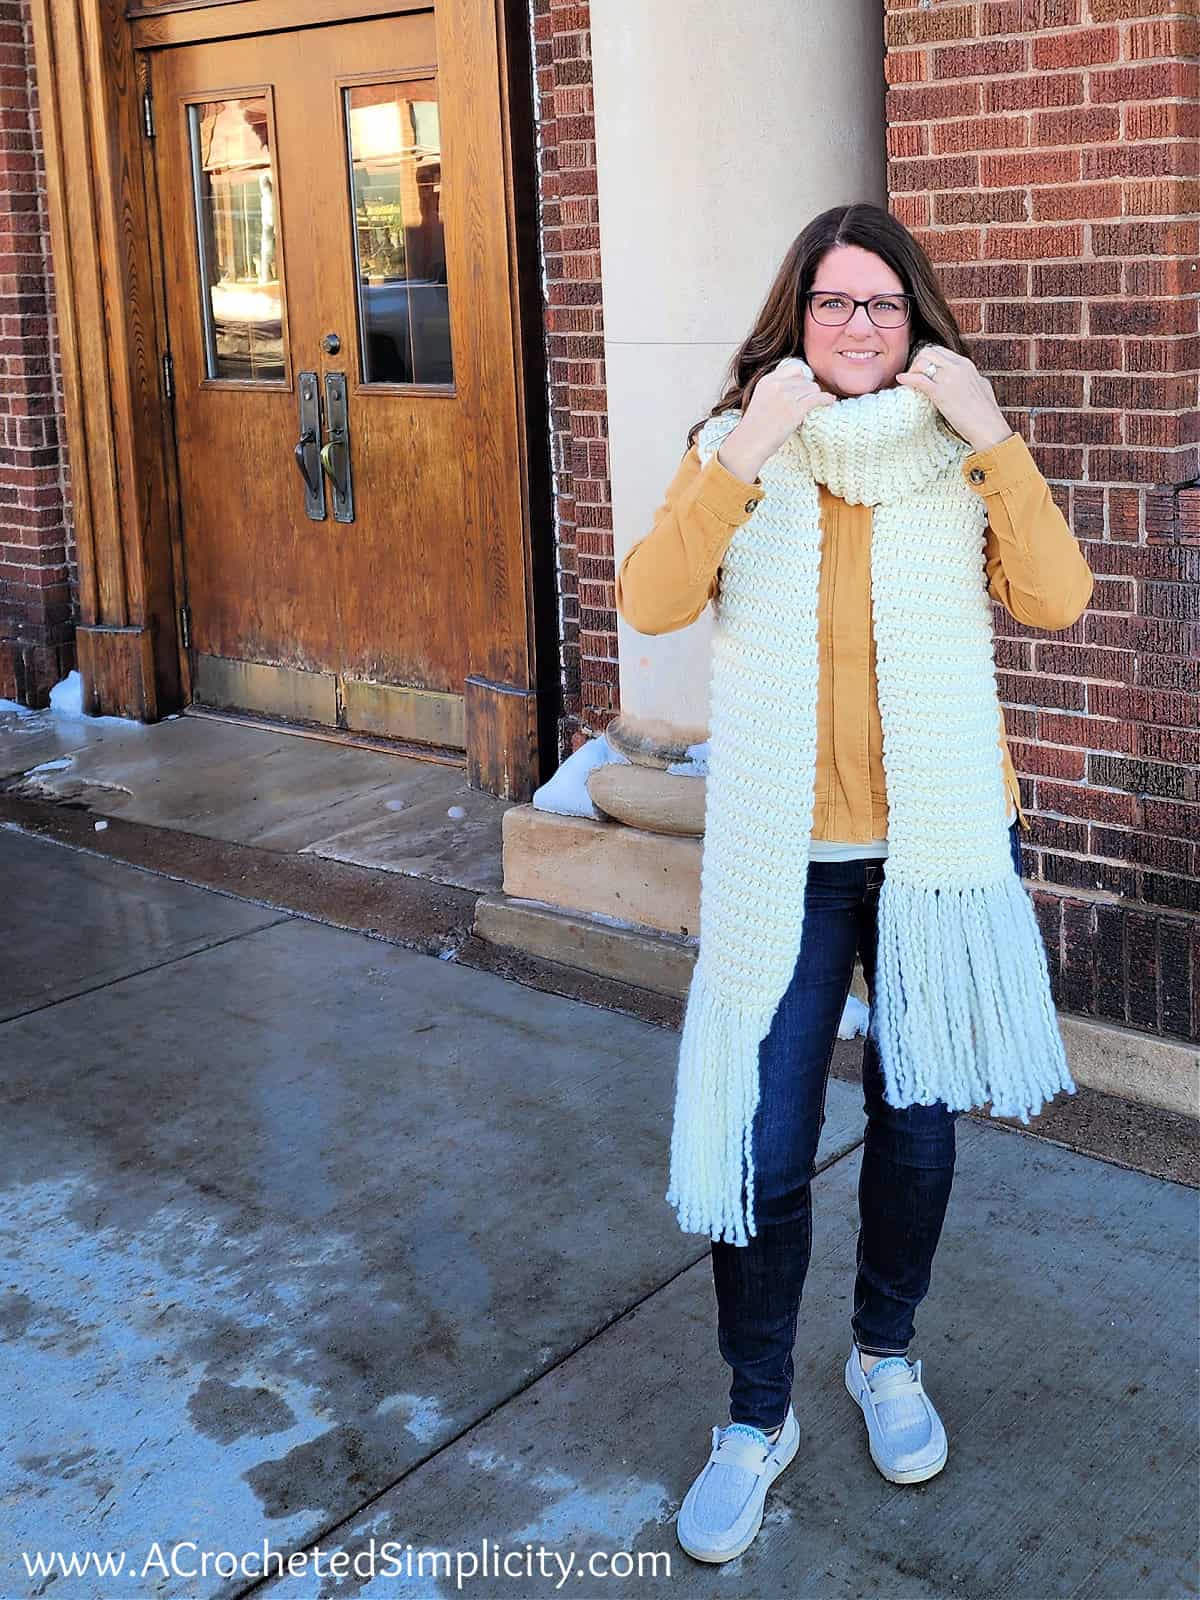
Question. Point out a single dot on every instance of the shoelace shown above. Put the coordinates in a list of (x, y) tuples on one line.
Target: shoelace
[(897, 1376), (750, 1431)]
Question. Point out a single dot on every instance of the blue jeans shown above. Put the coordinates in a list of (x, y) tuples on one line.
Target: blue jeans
[(904, 1182)]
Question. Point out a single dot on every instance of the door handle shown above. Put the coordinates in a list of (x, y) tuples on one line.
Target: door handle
[(335, 453), (332, 469), (306, 438), (307, 453)]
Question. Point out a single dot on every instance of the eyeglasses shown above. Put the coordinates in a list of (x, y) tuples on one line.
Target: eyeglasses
[(833, 310)]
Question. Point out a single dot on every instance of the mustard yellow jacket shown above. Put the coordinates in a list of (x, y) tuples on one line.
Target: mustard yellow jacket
[(1034, 567)]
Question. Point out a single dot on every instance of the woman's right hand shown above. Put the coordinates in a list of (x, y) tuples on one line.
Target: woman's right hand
[(781, 400)]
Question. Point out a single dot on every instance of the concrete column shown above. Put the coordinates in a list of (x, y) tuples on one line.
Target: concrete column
[(720, 131)]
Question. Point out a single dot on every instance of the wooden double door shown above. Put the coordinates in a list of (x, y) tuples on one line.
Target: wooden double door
[(338, 302)]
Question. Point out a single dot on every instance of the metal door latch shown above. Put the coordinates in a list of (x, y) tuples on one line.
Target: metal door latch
[(335, 454), (308, 447)]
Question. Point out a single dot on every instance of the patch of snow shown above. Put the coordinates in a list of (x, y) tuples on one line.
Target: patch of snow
[(456, 812), (18, 710), (855, 1017), (66, 701), (60, 764), (566, 792), (66, 697), (696, 765), (101, 825)]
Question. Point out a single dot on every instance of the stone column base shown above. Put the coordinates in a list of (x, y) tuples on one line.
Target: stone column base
[(603, 868)]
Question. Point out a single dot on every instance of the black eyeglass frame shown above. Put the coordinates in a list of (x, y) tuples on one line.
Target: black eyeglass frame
[(900, 294)]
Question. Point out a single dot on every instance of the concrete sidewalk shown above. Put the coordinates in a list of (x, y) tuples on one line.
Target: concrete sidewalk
[(313, 1239)]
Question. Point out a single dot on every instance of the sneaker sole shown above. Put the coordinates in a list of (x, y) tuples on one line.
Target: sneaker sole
[(716, 1557), (914, 1474)]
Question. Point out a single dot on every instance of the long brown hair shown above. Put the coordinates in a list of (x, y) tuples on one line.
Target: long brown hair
[(779, 330)]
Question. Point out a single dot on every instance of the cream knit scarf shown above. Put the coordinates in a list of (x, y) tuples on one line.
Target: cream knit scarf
[(962, 1007)]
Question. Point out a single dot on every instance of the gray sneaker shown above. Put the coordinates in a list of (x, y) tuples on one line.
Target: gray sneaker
[(723, 1510)]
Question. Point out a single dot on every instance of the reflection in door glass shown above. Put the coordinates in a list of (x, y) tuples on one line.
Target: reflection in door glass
[(233, 182), (395, 150)]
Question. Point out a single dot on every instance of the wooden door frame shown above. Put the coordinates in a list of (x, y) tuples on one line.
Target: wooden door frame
[(91, 71)]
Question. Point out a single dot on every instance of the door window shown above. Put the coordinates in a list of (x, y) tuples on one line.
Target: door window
[(235, 195), (393, 140)]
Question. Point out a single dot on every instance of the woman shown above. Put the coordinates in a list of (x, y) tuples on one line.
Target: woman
[(852, 505)]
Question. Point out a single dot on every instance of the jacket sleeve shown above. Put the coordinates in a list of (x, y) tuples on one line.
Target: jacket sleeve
[(667, 578), (1035, 568)]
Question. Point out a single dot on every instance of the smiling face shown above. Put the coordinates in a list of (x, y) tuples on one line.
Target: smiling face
[(831, 352)]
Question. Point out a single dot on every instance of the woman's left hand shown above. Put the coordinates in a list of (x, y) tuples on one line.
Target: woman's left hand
[(960, 392)]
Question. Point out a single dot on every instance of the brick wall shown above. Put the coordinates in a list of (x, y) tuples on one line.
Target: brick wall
[(1045, 153), (575, 353), (36, 628)]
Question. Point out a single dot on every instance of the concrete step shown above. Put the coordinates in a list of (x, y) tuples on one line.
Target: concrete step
[(603, 946), (1114, 1060)]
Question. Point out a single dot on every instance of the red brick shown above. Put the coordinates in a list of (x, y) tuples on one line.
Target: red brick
[(1077, 427), (907, 139), (951, 244), (1027, 244), (1034, 316), (1153, 278), (945, 172), (1162, 197), (932, 103), (981, 206), (904, 66), (1042, 389), (929, 27), (1146, 239), (1162, 355), (1033, 93), (1163, 80), (981, 282), (1065, 204), (1027, 16), (1144, 317), (1085, 278), (981, 60), (980, 133), (1172, 39), (1078, 355), (1174, 158), (1169, 121), (1088, 125), (1141, 392), (1122, 10), (1030, 167), (1079, 48)]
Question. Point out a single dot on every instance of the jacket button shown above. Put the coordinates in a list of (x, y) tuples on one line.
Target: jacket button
[(977, 475), (750, 505)]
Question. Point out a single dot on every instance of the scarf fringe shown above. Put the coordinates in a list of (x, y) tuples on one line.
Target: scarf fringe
[(966, 1017), (716, 1096), (962, 1008)]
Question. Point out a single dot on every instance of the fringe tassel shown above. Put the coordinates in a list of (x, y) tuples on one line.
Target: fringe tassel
[(716, 1095), (963, 1010), (962, 1013)]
